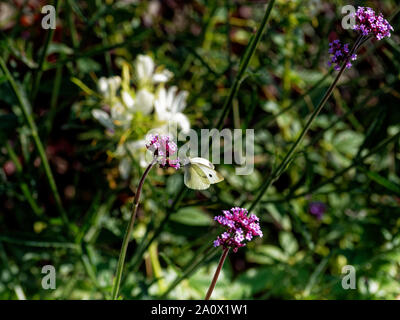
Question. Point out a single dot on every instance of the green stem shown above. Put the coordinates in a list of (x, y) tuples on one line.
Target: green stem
[(145, 245), (243, 66), (155, 263), (216, 274), (23, 185), (26, 110), (71, 25), (268, 120), (355, 163), (289, 156), (128, 232), (42, 57)]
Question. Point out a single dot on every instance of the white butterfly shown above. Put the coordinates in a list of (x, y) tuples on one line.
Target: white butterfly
[(200, 174)]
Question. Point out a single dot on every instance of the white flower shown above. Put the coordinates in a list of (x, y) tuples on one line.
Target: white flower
[(108, 87), (143, 101), (120, 114), (169, 107), (145, 71), (103, 117), (128, 99), (136, 149)]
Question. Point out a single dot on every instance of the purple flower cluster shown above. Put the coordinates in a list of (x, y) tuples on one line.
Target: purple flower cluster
[(317, 209), (368, 23), (240, 227), (340, 53), (163, 147)]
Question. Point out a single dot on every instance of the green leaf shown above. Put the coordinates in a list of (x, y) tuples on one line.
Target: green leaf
[(256, 257), (59, 48), (83, 86), (192, 216), (284, 221), (267, 254), (288, 242), (174, 183), (389, 185), (87, 65), (347, 142), (265, 278)]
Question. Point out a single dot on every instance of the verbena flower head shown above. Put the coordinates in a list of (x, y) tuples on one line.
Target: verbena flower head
[(369, 23), (241, 227), (163, 147), (340, 53), (317, 209)]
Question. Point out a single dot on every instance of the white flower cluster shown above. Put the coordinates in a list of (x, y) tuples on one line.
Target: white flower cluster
[(122, 103)]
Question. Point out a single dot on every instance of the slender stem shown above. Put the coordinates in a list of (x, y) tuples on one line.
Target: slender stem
[(269, 120), (243, 66), (356, 161), (23, 185), (128, 232), (145, 245), (43, 56), (289, 156), (26, 110), (54, 99), (216, 274)]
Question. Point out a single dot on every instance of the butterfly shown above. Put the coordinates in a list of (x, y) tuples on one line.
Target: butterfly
[(200, 174)]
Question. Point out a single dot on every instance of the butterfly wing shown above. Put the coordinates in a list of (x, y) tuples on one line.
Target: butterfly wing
[(200, 173), (211, 175), (195, 178), (202, 161)]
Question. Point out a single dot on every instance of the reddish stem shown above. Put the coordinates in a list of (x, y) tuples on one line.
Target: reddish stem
[(215, 279)]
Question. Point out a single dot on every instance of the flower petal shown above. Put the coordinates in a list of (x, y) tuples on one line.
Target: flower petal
[(162, 77), (103, 117), (144, 68), (182, 121), (127, 99), (144, 101)]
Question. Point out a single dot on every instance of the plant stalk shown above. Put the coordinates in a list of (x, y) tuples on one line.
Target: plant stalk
[(289, 156), (128, 232), (243, 65), (23, 185), (27, 112), (216, 274), (43, 55)]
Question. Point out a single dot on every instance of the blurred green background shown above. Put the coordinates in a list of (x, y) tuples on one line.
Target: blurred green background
[(349, 162)]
